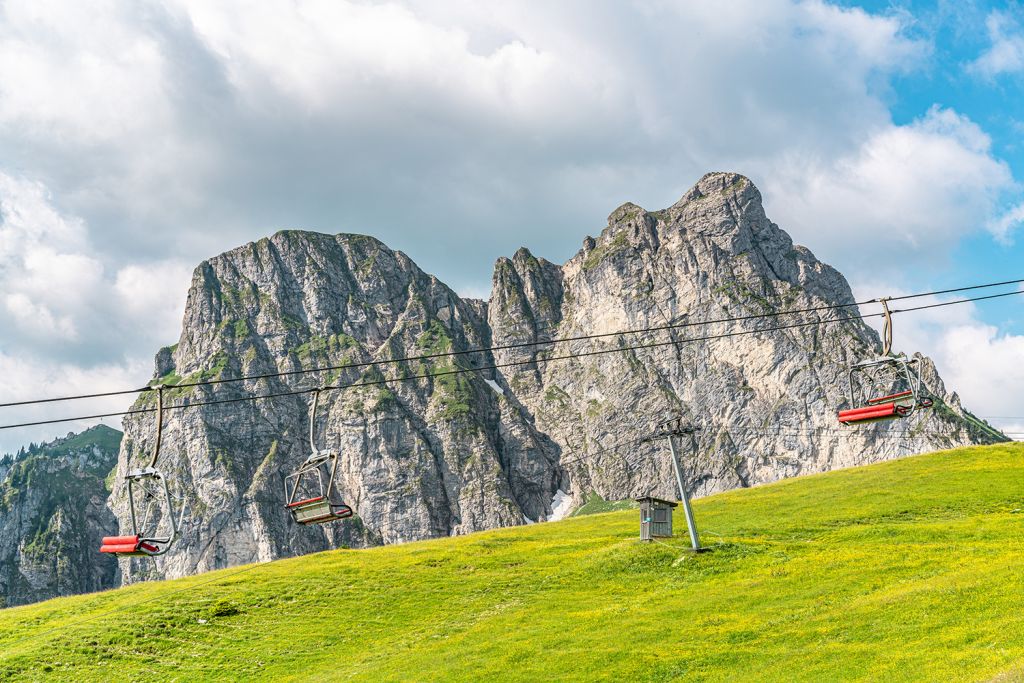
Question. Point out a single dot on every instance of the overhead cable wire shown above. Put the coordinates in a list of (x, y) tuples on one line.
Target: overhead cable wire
[(958, 301), (519, 345), (443, 373), (496, 366), (433, 356), (593, 454), (955, 289), (141, 411)]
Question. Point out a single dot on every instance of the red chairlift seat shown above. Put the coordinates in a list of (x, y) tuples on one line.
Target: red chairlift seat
[(872, 413), (128, 545), (153, 534)]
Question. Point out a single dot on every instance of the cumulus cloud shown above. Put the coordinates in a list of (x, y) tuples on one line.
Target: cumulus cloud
[(85, 74), (1005, 224), (37, 320), (221, 122), (905, 196), (59, 294), (67, 323), (46, 280), (152, 295), (1006, 53), (986, 366)]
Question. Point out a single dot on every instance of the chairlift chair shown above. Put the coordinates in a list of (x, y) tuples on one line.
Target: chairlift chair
[(884, 388), (147, 493), (315, 478)]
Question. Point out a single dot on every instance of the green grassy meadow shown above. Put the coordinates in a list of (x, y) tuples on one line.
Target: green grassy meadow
[(906, 570)]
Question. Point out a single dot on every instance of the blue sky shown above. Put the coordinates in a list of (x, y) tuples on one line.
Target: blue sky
[(959, 34), (140, 138)]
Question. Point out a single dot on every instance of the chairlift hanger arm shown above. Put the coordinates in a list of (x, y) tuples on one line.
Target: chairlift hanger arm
[(312, 420), (887, 330), (159, 424)]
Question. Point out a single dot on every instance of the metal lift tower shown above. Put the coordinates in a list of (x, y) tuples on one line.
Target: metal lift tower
[(670, 430)]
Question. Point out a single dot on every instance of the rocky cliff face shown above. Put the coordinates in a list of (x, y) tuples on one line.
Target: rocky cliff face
[(423, 458), (767, 401), (53, 514), (435, 456)]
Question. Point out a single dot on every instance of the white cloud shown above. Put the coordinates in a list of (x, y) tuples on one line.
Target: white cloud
[(1004, 225), (335, 54), (44, 280), (905, 196), (1006, 53), (37, 319), (66, 324), (55, 283), (152, 296), (30, 221), (83, 73), (986, 367), (218, 121)]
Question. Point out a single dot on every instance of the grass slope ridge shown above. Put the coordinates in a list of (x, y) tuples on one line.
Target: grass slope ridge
[(903, 570)]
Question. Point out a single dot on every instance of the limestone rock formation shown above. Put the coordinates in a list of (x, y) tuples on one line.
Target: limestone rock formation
[(441, 454)]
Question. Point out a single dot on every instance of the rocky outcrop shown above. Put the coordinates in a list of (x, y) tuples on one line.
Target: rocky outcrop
[(766, 401), (53, 514), (432, 454)]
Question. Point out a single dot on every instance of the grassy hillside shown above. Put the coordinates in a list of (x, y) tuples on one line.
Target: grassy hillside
[(908, 570)]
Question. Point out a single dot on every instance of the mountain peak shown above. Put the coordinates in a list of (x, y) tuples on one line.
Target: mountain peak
[(721, 185), (430, 451)]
